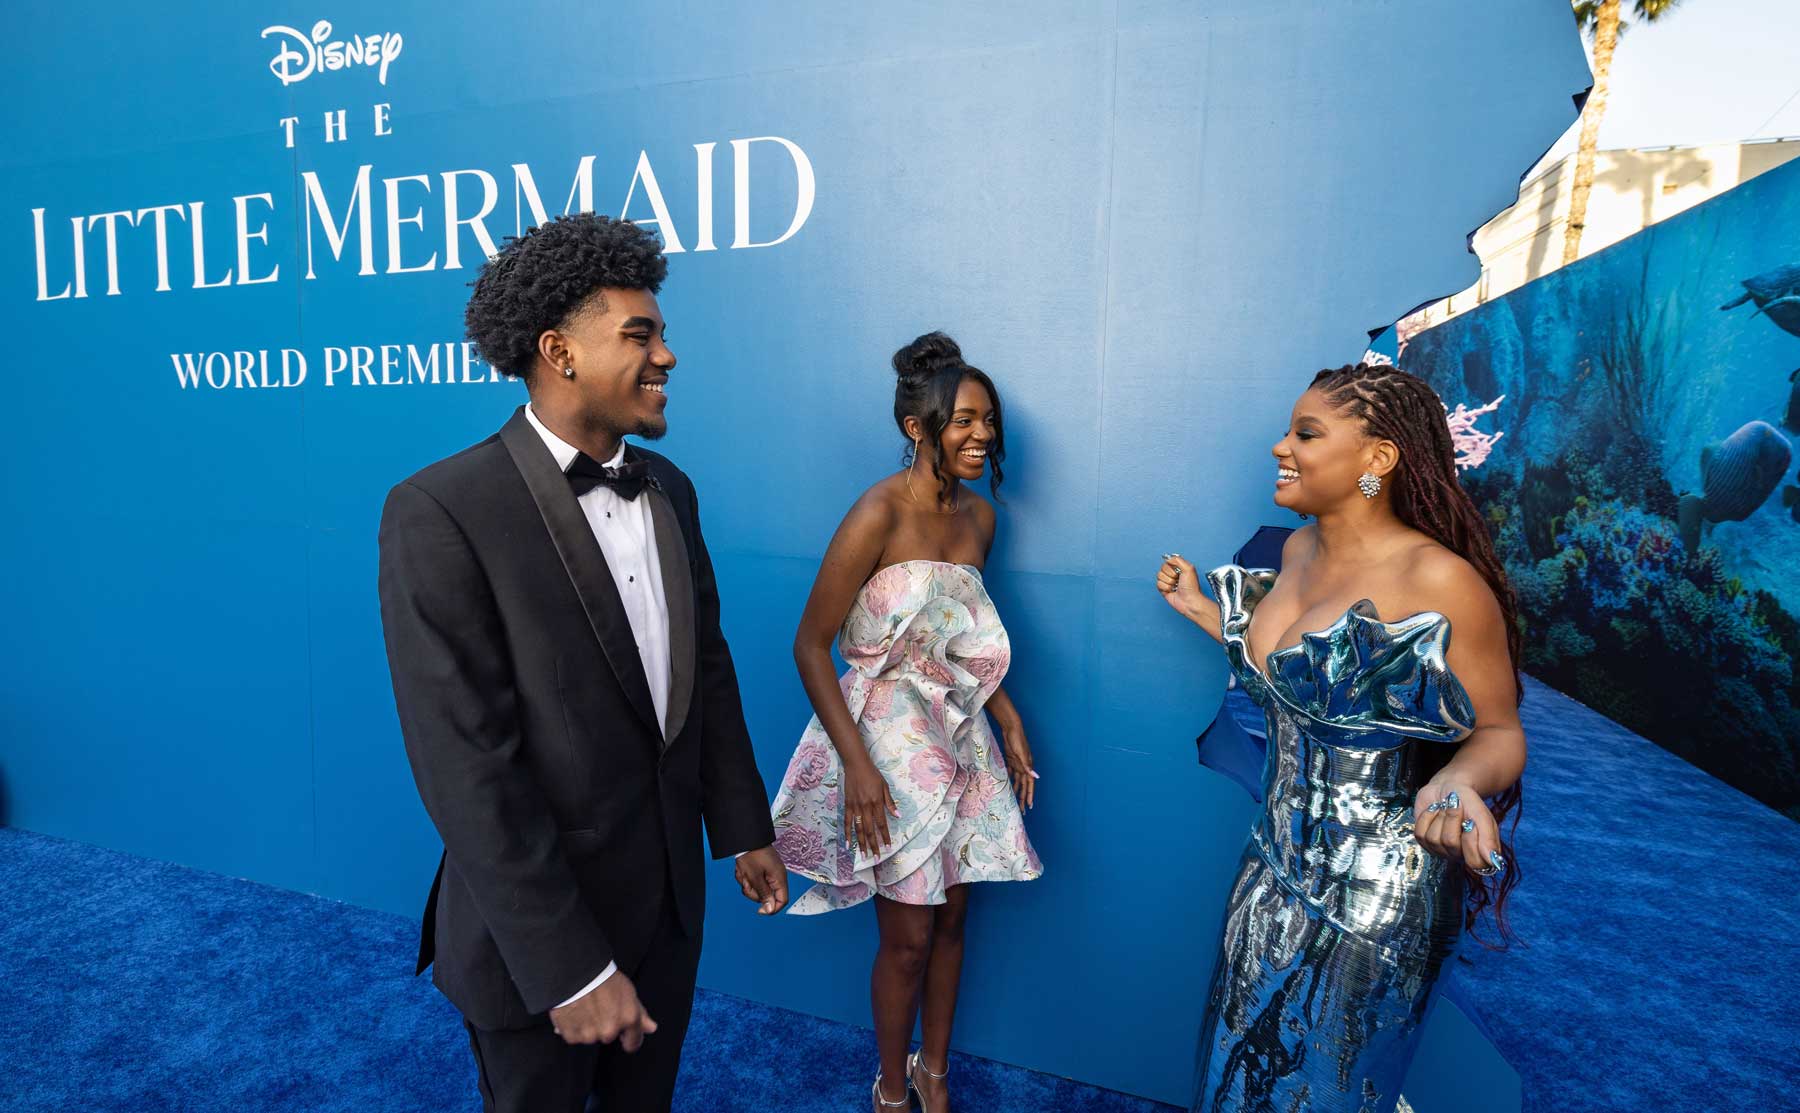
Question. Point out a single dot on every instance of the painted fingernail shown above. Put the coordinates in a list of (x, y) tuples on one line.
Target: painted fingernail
[(1497, 859), (1034, 775), (1468, 825)]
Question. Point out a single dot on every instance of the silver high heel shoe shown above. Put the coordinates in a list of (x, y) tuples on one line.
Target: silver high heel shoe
[(905, 1101), (914, 1062)]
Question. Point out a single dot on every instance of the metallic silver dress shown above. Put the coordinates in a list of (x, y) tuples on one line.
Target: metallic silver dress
[(1339, 920)]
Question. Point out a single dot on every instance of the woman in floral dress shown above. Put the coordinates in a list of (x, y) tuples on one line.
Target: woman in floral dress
[(900, 789)]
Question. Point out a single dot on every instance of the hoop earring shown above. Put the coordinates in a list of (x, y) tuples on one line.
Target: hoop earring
[(1369, 484)]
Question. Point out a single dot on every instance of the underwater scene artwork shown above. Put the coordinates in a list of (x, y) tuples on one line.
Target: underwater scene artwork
[(1642, 489)]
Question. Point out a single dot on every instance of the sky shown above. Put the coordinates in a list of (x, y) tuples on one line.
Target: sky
[(1712, 71)]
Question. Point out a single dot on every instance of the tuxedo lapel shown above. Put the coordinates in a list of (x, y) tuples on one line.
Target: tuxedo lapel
[(678, 594), (582, 559)]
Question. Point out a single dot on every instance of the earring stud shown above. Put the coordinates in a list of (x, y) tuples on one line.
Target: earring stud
[(568, 372), (1369, 484)]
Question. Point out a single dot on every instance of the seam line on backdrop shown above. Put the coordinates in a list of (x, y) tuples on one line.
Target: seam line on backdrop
[(1105, 346), (306, 534)]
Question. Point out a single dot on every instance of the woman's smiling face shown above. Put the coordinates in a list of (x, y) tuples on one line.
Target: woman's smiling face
[(1320, 459), (970, 432)]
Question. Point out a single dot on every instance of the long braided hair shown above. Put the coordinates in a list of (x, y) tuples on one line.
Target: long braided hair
[(1425, 494)]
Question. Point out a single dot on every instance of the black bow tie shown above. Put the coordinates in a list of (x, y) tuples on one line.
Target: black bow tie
[(627, 481)]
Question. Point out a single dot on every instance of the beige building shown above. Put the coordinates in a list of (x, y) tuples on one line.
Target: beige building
[(1633, 189)]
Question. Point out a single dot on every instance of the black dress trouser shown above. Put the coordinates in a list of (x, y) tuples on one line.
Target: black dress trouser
[(531, 1070)]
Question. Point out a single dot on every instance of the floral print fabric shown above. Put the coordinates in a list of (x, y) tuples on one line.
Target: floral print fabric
[(926, 650)]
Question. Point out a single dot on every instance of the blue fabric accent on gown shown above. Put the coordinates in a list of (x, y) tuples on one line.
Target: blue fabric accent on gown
[(1234, 743)]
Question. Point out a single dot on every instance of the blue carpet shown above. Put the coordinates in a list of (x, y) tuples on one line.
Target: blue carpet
[(1658, 912), (127, 984), (1657, 972)]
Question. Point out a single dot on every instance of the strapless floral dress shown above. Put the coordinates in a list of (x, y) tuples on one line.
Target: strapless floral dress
[(926, 649)]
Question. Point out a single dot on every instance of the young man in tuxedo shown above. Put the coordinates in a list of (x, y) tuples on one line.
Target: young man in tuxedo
[(567, 699)]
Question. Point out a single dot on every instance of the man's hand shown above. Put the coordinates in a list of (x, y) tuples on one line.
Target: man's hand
[(763, 878), (611, 1012)]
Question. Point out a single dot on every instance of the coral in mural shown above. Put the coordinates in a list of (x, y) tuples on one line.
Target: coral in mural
[(1472, 445), (1623, 587)]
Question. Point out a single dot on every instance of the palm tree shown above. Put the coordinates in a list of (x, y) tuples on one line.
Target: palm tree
[(1602, 18)]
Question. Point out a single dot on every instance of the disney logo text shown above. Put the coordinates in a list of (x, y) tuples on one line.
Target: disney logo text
[(301, 55)]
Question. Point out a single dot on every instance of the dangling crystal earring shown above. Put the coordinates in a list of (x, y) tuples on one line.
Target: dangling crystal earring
[(1369, 484), (568, 372)]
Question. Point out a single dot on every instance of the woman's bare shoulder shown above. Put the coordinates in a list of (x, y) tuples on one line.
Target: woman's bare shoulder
[(875, 510), (1297, 551), (1446, 582), (1300, 543)]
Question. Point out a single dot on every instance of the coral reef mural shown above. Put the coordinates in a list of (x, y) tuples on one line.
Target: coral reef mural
[(1643, 495)]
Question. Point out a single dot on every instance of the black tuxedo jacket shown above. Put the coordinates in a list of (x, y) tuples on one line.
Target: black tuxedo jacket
[(568, 818)]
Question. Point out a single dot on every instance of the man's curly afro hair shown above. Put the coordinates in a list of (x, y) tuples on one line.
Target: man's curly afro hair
[(541, 278)]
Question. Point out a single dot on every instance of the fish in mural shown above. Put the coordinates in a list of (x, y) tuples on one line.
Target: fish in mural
[(1736, 475), (1777, 293)]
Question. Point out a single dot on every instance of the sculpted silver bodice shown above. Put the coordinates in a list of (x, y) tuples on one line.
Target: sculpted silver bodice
[(1338, 922)]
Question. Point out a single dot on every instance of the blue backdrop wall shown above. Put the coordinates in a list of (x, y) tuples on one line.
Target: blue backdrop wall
[(1149, 221)]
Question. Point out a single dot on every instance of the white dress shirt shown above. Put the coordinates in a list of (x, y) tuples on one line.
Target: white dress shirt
[(628, 540)]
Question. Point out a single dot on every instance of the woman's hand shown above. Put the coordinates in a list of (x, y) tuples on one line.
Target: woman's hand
[(1451, 821), (1180, 585), (867, 805), (1019, 769)]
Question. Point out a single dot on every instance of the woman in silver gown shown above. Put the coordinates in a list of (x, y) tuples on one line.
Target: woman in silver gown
[(1393, 752)]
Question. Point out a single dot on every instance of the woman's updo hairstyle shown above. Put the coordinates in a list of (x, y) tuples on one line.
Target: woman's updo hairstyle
[(930, 370)]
